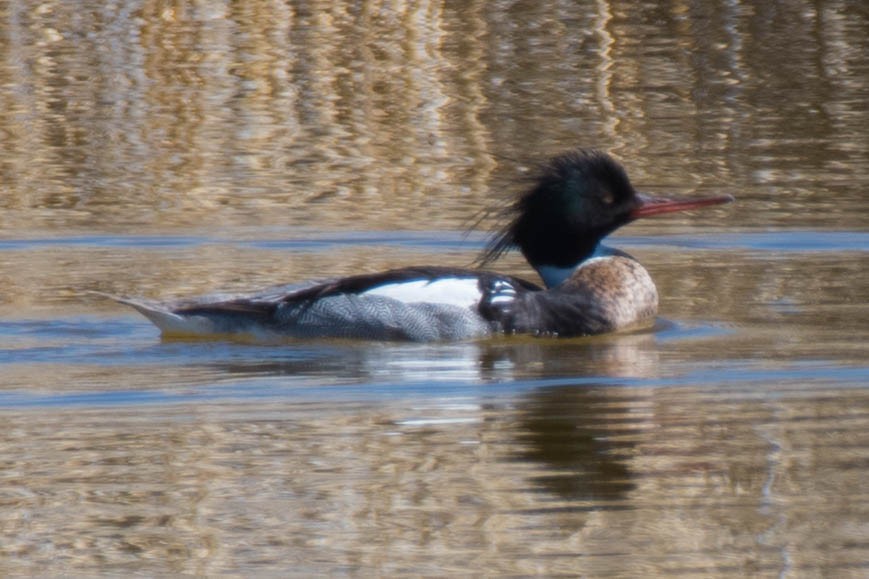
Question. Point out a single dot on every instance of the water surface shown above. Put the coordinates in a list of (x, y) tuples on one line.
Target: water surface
[(168, 151)]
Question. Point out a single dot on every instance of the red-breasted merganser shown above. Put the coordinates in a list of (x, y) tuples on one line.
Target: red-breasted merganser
[(577, 199)]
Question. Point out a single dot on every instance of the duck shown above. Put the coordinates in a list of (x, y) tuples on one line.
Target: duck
[(574, 201)]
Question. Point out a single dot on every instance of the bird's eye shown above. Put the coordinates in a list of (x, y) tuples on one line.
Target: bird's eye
[(607, 198)]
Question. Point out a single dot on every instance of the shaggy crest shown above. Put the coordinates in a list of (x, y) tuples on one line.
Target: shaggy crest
[(575, 174)]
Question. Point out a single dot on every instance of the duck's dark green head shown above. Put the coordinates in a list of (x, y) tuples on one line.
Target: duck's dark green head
[(576, 200)]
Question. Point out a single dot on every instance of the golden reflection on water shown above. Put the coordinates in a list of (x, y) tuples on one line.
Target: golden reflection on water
[(215, 115), (572, 480), (730, 441), (212, 114)]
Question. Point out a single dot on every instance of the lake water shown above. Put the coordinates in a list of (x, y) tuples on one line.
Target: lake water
[(172, 149)]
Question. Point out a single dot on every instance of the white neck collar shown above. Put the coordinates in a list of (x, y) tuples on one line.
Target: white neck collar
[(553, 275)]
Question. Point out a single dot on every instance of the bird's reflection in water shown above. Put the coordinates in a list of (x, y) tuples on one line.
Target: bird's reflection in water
[(503, 360), (606, 357), (580, 436)]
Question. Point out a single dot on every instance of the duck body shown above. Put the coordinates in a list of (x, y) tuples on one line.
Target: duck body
[(423, 304), (577, 199)]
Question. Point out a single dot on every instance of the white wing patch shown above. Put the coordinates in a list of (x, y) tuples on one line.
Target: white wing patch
[(457, 291), (502, 292)]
